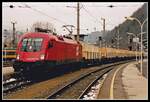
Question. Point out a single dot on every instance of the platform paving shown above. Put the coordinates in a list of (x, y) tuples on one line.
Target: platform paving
[(135, 84), (129, 84)]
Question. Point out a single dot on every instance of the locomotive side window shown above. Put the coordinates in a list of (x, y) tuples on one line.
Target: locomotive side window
[(24, 43), (37, 44), (31, 44), (50, 45)]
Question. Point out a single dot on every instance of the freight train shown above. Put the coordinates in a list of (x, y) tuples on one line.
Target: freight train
[(39, 52), (9, 54)]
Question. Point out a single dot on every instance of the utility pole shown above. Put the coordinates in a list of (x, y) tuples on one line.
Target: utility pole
[(103, 24), (118, 38), (78, 21), (14, 30), (104, 28)]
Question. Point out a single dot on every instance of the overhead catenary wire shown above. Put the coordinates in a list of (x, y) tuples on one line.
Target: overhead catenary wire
[(84, 6), (111, 6), (59, 10), (64, 23), (114, 5), (102, 4), (95, 19), (40, 12), (60, 21)]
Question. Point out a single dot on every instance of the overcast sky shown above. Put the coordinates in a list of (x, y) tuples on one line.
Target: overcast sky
[(58, 14)]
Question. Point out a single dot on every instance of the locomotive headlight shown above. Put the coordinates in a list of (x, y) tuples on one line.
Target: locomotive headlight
[(42, 56), (18, 57)]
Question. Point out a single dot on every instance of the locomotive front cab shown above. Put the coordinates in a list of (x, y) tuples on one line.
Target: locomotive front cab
[(31, 49), (31, 53)]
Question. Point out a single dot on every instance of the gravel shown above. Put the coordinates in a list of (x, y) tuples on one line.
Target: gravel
[(43, 89)]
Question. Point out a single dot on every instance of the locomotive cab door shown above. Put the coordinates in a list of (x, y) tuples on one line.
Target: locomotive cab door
[(50, 50)]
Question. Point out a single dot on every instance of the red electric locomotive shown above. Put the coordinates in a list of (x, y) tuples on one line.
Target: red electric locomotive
[(38, 51)]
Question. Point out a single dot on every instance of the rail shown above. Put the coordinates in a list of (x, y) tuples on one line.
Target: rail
[(67, 86)]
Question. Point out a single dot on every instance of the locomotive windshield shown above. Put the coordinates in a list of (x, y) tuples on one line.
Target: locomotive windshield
[(31, 44)]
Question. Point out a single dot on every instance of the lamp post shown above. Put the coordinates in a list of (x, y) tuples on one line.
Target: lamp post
[(141, 28), (118, 38)]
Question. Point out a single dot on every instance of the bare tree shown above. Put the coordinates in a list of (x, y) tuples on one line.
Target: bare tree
[(43, 27)]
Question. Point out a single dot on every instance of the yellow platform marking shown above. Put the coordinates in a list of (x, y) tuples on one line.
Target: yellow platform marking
[(112, 82)]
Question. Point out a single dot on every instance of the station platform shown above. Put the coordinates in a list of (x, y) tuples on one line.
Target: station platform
[(7, 72), (125, 82)]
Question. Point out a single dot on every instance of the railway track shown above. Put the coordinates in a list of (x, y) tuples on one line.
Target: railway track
[(7, 63), (16, 85), (78, 87), (92, 84), (11, 86)]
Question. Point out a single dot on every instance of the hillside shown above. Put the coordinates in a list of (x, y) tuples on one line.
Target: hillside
[(129, 26)]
